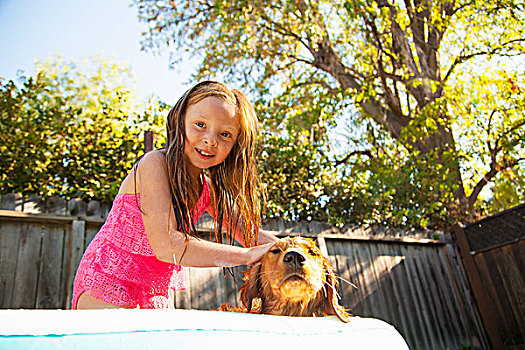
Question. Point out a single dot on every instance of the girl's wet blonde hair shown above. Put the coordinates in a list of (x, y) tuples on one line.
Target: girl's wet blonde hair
[(238, 194)]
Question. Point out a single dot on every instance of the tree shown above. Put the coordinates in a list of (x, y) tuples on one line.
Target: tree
[(72, 131), (430, 94)]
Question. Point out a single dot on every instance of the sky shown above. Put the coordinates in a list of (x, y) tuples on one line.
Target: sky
[(37, 30)]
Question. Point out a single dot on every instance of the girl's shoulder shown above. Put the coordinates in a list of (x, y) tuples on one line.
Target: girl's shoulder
[(146, 168), (152, 160)]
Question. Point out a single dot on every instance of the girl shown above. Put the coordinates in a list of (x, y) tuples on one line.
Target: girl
[(149, 233)]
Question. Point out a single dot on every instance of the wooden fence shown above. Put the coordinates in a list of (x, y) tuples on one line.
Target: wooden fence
[(493, 253), (408, 279)]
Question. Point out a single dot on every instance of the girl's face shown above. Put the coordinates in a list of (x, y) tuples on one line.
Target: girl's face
[(212, 129)]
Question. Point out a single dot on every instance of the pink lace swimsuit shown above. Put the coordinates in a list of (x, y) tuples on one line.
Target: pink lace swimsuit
[(119, 266)]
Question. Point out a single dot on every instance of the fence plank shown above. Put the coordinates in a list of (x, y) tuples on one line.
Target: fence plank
[(198, 280), (350, 296), (358, 277), (449, 321), (332, 258), (484, 304), (27, 272), (404, 321), (431, 295), (346, 269), (65, 270), (233, 283), (415, 291), (9, 242), (321, 243), (465, 308), (90, 231), (12, 201), (518, 251), (384, 283), (34, 204), (56, 206), (371, 284), (361, 280), (216, 284), (221, 287), (76, 207), (183, 297), (97, 209), (407, 294), (211, 287), (76, 243), (425, 298), (48, 295), (512, 283)]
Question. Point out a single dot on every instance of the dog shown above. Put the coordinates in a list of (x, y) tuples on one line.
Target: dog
[(292, 279)]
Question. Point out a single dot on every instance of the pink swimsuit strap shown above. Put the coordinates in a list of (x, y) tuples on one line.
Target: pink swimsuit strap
[(200, 207), (203, 202)]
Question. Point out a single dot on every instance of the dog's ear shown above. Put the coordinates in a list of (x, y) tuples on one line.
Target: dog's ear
[(251, 288), (331, 304)]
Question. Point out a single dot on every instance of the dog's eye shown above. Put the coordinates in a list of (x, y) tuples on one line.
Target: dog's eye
[(275, 251), (312, 252)]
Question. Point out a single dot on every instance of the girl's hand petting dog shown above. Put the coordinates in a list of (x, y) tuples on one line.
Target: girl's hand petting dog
[(256, 253)]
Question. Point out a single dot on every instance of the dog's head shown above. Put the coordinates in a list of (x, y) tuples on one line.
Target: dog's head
[(293, 279)]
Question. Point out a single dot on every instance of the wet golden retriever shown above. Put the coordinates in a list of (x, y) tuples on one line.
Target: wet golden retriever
[(292, 279)]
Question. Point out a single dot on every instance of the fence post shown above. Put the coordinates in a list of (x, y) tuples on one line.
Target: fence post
[(149, 136), (322, 246), (482, 301)]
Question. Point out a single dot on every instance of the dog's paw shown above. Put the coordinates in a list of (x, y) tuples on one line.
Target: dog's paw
[(228, 308)]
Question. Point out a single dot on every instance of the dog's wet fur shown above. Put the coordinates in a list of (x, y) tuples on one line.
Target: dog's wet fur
[(292, 279)]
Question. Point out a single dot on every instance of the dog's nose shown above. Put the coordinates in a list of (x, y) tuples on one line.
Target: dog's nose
[(295, 259)]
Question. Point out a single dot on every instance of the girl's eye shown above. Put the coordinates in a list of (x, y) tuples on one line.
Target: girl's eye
[(226, 134), (200, 124)]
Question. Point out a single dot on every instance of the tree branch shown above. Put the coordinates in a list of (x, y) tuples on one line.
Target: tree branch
[(283, 31), (495, 168), (463, 58), (351, 154), (392, 102), (324, 84), (479, 186)]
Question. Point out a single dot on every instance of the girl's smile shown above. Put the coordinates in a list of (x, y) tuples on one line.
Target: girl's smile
[(204, 154), (212, 128)]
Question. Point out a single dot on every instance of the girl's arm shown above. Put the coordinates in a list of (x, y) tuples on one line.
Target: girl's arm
[(157, 212), (264, 237)]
